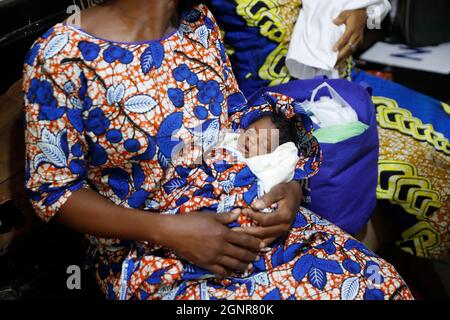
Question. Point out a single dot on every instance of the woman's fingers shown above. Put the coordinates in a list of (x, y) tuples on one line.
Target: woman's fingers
[(355, 22), (341, 18), (240, 254), (227, 218), (269, 241), (343, 41), (264, 219), (349, 48), (244, 240), (219, 270), (266, 233), (267, 200), (231, 263), (281, 216), (343, 55)]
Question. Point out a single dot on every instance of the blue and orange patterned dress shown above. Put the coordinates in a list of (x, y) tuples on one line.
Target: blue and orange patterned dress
[(107, 116)]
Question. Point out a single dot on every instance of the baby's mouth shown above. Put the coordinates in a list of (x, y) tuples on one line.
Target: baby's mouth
[(246, 150)]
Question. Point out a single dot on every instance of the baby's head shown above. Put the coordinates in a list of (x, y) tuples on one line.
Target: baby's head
[(264, 135)]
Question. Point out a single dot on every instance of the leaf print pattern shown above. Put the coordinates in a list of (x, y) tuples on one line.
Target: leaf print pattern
[(202, 33), (152, 57), (207, 134), (140, 104), (227, 204), (115, 94), (51, 147), (56, 45), (350, 288)]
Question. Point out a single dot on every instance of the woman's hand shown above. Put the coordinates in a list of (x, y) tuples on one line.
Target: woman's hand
[(355, 22), (287, 197), (205, 240)]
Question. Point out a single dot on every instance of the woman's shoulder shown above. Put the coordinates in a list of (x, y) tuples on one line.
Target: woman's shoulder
[(60, 42), (199, 16)]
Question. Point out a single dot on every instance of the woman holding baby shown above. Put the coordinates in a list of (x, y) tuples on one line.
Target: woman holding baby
[(109, 101)]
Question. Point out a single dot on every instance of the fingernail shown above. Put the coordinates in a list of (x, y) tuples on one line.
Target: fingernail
[(262, 245), (259, 204)]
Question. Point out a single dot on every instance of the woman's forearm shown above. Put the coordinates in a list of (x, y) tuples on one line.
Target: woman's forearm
[(88, 212), (201, 238)]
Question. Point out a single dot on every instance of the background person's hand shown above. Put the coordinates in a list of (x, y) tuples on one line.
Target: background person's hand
[(355, 22), (205, 240), (271, 226)]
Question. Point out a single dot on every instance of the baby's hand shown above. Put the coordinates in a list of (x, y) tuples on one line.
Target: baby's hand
[(246, 221), (243, 220)]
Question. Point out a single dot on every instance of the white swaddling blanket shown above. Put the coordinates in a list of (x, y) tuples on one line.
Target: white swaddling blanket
[(272, 168)]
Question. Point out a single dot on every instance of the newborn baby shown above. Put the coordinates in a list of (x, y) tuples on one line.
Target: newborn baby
[(268, 147), (267, 144), (272, 144)]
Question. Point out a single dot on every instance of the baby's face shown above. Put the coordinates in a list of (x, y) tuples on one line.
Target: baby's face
[(261, 137)]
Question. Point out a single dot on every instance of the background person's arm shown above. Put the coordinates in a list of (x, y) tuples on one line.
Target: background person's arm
[(355, 24)]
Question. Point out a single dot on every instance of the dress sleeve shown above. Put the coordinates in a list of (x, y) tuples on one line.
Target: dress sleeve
[(55, 145), (235, 99)]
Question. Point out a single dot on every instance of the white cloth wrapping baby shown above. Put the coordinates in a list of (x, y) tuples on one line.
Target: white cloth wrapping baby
[(274, 168), (311, 51), (271, 168)]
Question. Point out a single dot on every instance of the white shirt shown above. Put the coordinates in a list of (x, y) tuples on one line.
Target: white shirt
[(311, 49)]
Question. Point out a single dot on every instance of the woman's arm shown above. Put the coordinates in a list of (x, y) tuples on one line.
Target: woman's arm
[(88, 212), (202, 238)]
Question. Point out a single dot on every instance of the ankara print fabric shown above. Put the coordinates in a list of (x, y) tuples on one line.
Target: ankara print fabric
[(414, 165), (108, 116), (316, 261), (112, 113)]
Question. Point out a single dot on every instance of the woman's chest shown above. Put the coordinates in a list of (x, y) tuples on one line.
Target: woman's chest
[(148, 109)]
